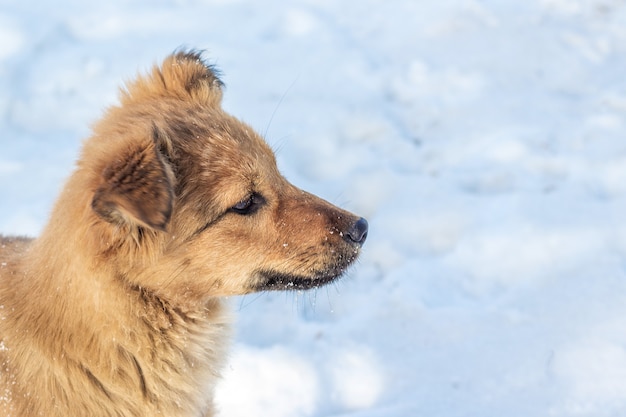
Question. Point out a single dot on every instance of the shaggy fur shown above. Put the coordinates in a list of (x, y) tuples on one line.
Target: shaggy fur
[(117, 308)]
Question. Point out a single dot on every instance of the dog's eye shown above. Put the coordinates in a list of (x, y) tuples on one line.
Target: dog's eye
[(248, 205)]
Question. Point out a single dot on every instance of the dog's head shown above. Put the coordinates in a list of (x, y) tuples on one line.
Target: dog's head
[(190, 200)]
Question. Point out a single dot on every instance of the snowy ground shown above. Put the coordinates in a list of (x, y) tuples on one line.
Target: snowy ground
[(485, 141)]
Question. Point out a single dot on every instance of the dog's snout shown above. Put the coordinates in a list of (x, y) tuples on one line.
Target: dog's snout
[(357, 233)]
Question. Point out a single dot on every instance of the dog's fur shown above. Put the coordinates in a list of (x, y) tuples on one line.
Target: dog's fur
[(117, 309)]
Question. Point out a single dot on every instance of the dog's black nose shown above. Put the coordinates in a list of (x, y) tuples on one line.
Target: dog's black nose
[(357, 233)]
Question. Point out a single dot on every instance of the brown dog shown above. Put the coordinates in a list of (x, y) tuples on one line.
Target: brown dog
[(116, 309)]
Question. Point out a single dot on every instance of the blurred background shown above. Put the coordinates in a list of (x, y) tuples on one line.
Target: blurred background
[(484, 141)]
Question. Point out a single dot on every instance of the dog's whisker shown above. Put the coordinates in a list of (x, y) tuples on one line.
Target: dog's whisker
[(280, 101), (252, 298)]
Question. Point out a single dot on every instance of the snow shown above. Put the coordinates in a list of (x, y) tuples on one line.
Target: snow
[(484, 141)]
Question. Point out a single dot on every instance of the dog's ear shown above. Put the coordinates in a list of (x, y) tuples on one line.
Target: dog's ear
[(136, 188), (184, 75), (189, 70)]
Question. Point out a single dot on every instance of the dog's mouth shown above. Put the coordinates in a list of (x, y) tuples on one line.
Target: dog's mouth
[(268, 280), (274, 281)]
